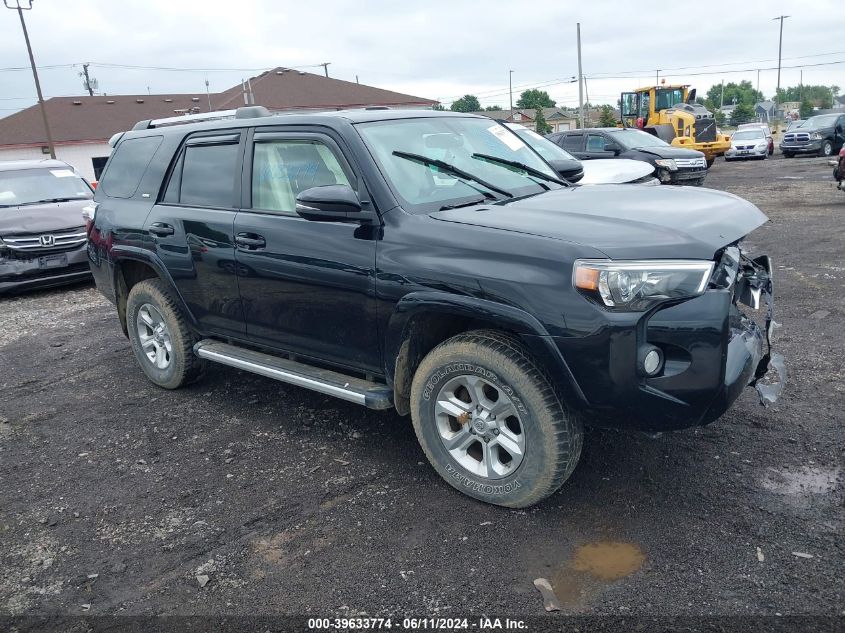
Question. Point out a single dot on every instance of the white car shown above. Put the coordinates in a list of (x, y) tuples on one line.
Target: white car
[(600, 171), (748, 143)]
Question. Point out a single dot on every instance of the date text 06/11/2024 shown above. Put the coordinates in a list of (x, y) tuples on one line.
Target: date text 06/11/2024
[(414, 624)]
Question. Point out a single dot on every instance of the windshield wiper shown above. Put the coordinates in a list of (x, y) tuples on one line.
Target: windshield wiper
[(521, 167), (451, 169), (468, 203), (47, 200)]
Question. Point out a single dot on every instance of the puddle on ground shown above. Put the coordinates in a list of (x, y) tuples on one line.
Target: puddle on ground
[(593, 566), (802, 481)]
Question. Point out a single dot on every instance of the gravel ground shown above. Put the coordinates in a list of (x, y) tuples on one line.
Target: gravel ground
[(120, 498)]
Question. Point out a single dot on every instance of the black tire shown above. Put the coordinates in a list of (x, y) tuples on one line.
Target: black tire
[(826, 148), (710, 162), (183, 365), (553, 435), (788, 155)]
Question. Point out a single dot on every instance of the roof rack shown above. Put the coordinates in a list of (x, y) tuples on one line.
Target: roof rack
[(246, 112)]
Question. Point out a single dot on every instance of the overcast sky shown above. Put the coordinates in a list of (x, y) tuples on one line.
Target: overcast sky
[(436, 49)]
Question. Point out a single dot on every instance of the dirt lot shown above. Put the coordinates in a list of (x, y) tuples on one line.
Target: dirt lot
[(116, 495)]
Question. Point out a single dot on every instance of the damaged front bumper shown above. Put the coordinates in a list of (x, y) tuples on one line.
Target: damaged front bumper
[(712, 352)]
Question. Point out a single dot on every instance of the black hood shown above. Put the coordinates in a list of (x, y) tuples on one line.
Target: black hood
[(42, 218), (669, 151), (625, 221)]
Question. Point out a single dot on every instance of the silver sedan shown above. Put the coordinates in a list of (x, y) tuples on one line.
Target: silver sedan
[(748, 143)]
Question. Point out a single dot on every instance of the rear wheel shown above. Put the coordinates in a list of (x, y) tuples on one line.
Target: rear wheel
[(160, 335), (490, 422), (710, 162)]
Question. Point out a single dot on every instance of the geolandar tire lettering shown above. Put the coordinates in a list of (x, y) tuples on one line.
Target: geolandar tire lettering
[(490, 422)]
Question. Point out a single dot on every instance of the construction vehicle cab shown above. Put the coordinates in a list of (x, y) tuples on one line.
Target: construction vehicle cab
[(670, 113)]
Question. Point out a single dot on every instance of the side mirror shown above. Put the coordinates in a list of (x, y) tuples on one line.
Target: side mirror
[(613, 147), (329, 203), (570, 170)]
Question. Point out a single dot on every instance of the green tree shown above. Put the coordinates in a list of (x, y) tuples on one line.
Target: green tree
[(607, 118), (493, 108), (819, 96), (743, 91), (806, 109), (467, 103), (438, 106), (720, 117), (540, 125), (742, 113), (534, 98)]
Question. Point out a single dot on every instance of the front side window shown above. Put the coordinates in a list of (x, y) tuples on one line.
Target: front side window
[(282, 169), (633, 139), (127, 165), (208, 175), (596, 143), (543, 146), (465, 143), (34, 186)]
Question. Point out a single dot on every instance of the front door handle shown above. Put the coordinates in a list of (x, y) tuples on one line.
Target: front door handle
[(161, 229), (250, 241)]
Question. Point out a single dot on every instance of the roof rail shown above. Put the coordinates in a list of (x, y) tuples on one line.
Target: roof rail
[(246, 112)]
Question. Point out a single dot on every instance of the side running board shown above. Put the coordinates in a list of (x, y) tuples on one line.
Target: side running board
[(372, 395)]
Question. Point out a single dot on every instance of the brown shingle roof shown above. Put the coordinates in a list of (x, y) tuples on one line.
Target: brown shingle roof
[(77, 119), (283, 89)]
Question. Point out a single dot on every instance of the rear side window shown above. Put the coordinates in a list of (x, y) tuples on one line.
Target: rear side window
[(596, 143), (204, 176), (572, 142), (127, 166)]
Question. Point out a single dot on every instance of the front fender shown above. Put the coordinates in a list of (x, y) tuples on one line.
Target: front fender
[(530, 331)]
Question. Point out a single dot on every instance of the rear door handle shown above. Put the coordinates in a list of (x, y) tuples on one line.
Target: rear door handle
[(250, 241), (161, 229)]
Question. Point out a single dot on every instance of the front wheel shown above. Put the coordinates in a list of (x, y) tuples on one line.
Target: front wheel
[(490, 422), (827, 149), (710, 162), (788, 155)]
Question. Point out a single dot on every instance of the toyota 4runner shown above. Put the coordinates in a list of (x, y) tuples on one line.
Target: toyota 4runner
[(432, 263)]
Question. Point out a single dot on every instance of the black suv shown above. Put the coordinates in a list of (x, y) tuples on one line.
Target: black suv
[(432, 263), (823, 135), (672, 165), (42, 231)]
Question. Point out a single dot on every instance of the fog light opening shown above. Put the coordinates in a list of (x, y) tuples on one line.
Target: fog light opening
[(651, 360)]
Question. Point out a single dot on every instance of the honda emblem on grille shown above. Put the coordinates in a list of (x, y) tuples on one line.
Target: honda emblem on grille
[(47, 240)]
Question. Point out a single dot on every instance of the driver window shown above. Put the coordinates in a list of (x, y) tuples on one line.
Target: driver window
[(281, 170), (645, 101), (596, 143)]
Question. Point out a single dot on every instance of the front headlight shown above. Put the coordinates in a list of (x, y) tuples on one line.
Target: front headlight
[(763, 145), (634, 286), (668, 163), (816, 136)]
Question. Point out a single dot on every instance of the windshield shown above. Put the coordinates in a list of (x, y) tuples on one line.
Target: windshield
[(823, 120), (543, 146), (31, 186), (453, 141), (632, 139), (666, 98), (746, 135)]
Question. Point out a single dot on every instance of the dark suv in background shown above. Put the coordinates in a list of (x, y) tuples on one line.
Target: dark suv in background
[(673, 165), (42, 231), (434, 263), (823, 135)]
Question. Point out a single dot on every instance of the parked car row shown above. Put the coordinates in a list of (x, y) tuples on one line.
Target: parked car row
[(823, 134)]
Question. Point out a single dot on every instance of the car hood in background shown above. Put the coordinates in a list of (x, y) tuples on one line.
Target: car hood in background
[(669, 152), (609, 171), (42, 218), (625, 222)]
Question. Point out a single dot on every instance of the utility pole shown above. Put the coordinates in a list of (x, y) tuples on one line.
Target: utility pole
[(510, 90), (758, 80), (88, 85), (722, 101), (780, 50), (325, 66), (580, 79), (587, 99), (208, 94), (656, 78), (20, 11)]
